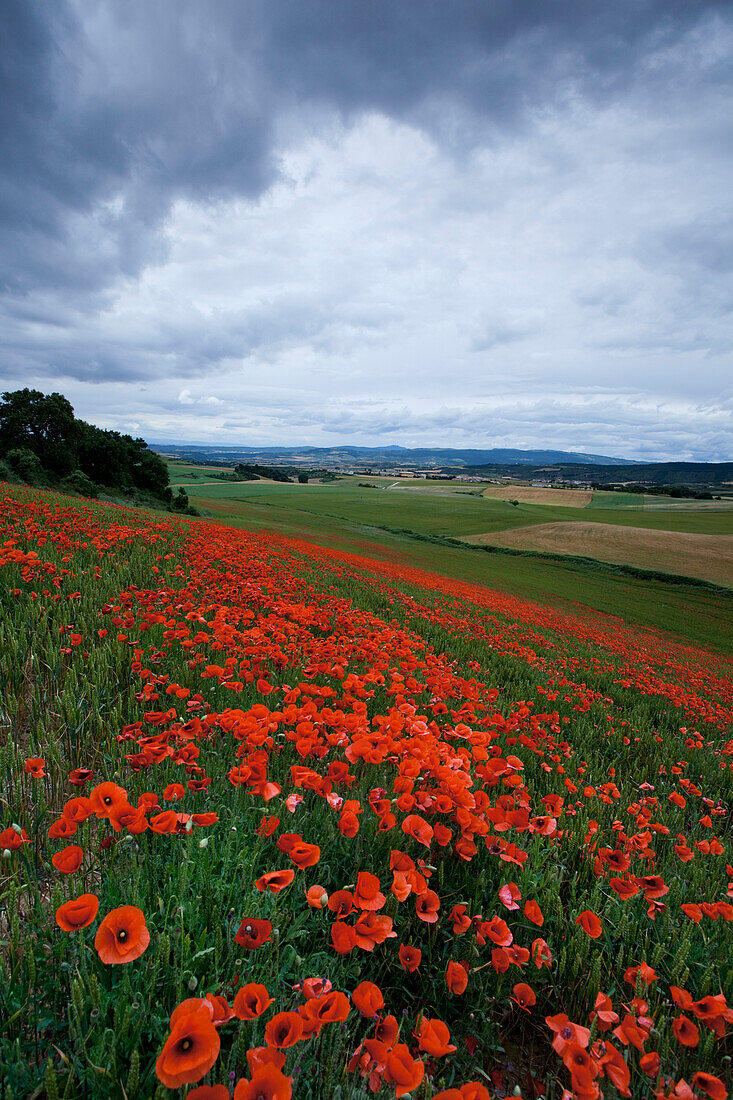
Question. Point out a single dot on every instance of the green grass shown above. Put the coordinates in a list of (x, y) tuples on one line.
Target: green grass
[(606, 500), (696, 614), (452, 513)]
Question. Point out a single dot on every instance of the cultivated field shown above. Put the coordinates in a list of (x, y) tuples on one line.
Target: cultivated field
[(297, 822), (528, 494), (708, 557)]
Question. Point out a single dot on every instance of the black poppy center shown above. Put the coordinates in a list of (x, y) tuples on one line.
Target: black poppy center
[(122, 935)]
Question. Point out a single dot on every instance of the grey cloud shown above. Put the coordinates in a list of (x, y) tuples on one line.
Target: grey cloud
[(114, 117), (149, 102)]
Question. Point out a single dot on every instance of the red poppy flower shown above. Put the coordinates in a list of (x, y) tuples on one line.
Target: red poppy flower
[(533, 912), (590, 924), (267, 826), (131, 818), (649, 1063), (653, 886), (497, 930), (209, 1092), (251, 1001), (685, 1031), (456, 977), (79, 776), (316, 897), (13, 839), (615, 1068), (629, 1031), (341, 902), (331, 1007), (371, 929), (579, 1062), (191, 1048), (710, 1085), (646, 973), (524, 996), (603, 1012), (541, 954), (173, 792), (267, 1083), (402, 1070), (434, 1038), (427, 906), (203, 820), (304, 855), (366, 894), (257, 1057), (510, 896), (416, 827), (624, 888), (343, 937), (253, 932), (77, 913), (284, 1030), (410, 957), (68, 859), (104, 797), (122, 936), (275, 881), (709, 1008), (681, 997), (461, 921), (61, 829), (35, 766), (78, 809), (368, 999), (566, 1032)]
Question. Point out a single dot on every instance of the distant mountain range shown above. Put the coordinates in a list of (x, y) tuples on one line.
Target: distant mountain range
[(423, 457), (701, 475)]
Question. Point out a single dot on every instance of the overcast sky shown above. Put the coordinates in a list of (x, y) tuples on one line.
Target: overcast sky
[(427, 222)]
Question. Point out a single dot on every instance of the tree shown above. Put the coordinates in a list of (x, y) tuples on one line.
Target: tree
[(44, 424), (26, 466), (180, 501), (303, 479), (78, 482)]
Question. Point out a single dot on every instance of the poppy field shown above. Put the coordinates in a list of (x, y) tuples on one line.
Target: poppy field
[(281, 821)]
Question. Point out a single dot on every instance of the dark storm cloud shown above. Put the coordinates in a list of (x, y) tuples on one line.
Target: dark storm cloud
[(133, 104), (538, 200)]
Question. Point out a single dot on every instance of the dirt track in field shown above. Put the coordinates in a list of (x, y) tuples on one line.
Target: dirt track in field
[(707, 557), (527, 494)]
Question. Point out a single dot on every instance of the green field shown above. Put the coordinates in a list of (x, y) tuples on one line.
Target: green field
[(616, 500), (344, 517), (435, 508)]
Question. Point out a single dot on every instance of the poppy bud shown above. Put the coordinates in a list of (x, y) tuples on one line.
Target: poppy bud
[(17, 829), (7, 853), (204, 842), (189, 826), (192, 982)]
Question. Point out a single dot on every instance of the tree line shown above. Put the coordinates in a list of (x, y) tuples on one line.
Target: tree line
[(42, 443)]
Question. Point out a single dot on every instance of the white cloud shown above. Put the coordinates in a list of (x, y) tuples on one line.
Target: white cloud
[(565, 282)]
